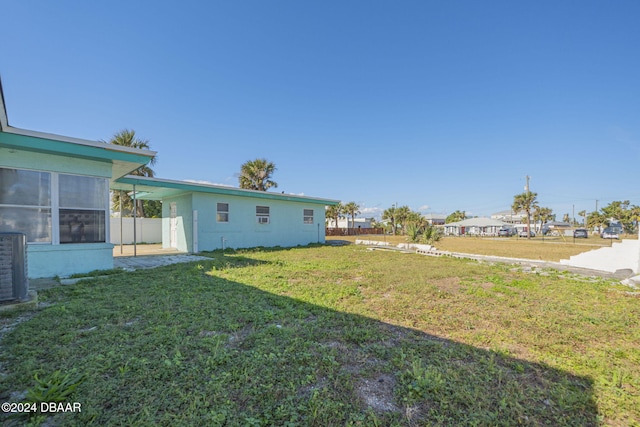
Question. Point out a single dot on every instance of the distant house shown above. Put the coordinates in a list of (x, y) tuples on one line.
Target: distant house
[(435, 219), (203, 217), (348, 223), (55, 189), (474, 227), (510, 217)]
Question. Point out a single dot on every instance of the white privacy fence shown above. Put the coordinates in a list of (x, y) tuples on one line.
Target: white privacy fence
[(148, 230)]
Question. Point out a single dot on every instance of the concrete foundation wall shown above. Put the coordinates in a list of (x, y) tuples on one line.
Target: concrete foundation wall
[(64, 260)]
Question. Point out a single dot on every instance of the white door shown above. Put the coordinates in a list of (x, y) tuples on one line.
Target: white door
[(173, 225)]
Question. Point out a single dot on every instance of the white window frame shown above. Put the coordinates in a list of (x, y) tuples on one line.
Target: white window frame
[(55, 205), (56, 201), (306, 218), (263, 217), (221, 212)]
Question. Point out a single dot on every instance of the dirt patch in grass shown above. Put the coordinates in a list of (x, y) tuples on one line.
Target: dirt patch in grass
[(377, 392), (449, 284)]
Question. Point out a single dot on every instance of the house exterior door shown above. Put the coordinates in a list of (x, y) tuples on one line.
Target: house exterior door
[(173, 225)]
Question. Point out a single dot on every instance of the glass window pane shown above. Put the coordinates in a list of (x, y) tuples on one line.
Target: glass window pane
[(22, 187), (34, 222), (308, 216), (82, 192), (82, 226)]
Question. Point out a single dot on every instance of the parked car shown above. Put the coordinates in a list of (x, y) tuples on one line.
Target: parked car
[(506, 232), (610, 233), (523, 233), (581, 233)]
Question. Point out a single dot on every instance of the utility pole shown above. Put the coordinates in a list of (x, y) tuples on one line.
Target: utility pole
[(526, 189)]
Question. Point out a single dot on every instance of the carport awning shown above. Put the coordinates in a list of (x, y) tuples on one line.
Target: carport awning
[(157, 189)]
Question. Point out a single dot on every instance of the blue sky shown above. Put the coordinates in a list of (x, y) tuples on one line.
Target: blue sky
[(438, 105)]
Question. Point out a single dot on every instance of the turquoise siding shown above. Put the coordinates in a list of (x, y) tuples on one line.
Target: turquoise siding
[(47, 260), (64, 260), (184, 222), (286, 227), (13, 158)]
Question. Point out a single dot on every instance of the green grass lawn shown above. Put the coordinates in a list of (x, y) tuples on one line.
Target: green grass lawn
[(330, 336)]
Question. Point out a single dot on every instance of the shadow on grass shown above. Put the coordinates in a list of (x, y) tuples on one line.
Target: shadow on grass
[(181, 345), (232, 251)]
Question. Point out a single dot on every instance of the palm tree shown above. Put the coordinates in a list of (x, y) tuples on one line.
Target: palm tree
[(525, 202), (596, 220), (543, 215), (634, 216), (583, 214), (417, 219), (390, 215), (128, 138), (402, 214), (256, 175), (334, 212), (353, 209), (456, 216)]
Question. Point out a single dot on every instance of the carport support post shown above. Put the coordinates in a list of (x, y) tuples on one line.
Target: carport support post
[(120, 222), (135, 212)]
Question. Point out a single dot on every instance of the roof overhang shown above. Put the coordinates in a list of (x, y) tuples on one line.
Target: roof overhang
[(157, 189), (123, 159)]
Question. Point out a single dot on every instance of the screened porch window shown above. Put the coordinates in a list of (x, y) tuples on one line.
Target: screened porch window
[(53, 208), (83, 208), (25, 203)]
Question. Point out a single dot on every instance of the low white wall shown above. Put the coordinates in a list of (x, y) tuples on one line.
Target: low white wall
[(620, 255), (148, 230)]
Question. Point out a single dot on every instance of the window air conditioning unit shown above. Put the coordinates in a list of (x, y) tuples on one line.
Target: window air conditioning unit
[(14, 281), (263, 220)]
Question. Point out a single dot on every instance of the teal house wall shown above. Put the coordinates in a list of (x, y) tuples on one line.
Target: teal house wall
[(195, 226), (285, 227)]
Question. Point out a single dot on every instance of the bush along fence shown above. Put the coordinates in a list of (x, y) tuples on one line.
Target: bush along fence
[(352, 231)]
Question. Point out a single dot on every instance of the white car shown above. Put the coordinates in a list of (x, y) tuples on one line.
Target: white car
[(523, 233), (608, 234)]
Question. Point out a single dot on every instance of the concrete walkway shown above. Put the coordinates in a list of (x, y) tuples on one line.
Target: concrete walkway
[(149, 256), (151, 261)]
